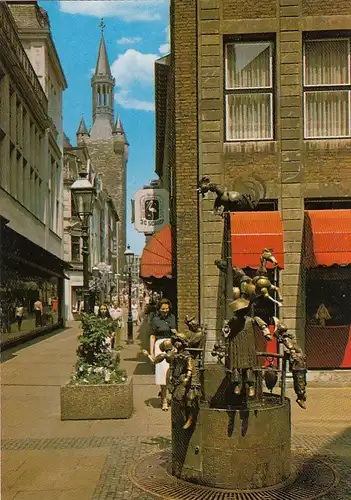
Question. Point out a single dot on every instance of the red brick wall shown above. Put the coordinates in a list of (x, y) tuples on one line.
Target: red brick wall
[(184, 59), (250, 9), (326, 7)]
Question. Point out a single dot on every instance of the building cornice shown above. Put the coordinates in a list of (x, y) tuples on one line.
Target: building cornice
[(19, 66), (30, 34)]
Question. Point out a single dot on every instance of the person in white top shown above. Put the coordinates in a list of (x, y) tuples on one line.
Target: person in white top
[(38, 311), (19, 315), (96, 309), (116, 313), (135, 312)]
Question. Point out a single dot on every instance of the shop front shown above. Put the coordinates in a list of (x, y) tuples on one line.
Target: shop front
[(31, 286), (327, 238)]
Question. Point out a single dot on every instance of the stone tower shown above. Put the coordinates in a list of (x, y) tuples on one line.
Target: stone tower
[(107, 142)]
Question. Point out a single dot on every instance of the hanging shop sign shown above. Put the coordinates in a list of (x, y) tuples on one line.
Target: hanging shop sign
[(151, 210)]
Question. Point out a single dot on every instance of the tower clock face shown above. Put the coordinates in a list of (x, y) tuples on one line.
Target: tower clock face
[(152, 209)]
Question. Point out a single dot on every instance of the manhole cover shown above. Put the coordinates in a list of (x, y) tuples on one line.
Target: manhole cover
[(311, 479)]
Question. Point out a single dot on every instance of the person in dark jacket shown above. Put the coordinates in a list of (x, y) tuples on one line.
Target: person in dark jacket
[(162, 325)]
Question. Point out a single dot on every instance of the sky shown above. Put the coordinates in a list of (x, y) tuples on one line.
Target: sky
[(136, 34)]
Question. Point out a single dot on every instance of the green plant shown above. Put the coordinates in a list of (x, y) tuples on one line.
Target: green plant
[(97, 362)]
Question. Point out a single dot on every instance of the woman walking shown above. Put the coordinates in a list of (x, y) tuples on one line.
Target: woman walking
[(19, 315), (135, 312), (103, 312), (162, 325), (116, 313)]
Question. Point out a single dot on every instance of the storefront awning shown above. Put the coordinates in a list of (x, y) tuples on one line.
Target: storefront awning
[(156, 259), (327, 236), (251, 232)]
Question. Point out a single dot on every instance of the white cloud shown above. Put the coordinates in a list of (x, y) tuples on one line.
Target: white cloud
[(126, 100), (134, 74), (134, 66), (131, 10), (128, 40), (165, 48)]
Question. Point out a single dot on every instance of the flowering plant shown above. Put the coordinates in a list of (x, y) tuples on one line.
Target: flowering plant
[(97, 363)]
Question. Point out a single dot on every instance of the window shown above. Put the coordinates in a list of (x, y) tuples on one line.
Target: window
[(249, 91), (75, 248), (74, 212), (327, 88)]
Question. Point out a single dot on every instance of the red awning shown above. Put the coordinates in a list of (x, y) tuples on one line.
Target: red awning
[(251, 232), (327, 237), (156, 259)]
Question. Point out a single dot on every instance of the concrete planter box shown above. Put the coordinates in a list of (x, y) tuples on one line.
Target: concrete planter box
[(97, 402)]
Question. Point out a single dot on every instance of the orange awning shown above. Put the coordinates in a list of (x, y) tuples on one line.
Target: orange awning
[(251, 232), (327, 237), (156, 259)]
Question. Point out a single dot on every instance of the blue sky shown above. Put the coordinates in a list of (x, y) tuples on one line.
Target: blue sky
[(136, 34)]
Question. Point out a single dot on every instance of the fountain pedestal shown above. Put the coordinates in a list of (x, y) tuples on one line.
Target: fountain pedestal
[(245, 447)]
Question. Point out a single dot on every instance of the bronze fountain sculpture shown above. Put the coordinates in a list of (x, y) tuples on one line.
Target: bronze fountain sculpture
[(210, 447)]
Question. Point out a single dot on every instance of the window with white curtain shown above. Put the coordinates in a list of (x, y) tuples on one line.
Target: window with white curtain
[(249, 91), (327, 88)]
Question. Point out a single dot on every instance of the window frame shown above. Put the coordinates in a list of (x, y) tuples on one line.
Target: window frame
[(270, 90), (325, 87), (77, 244)]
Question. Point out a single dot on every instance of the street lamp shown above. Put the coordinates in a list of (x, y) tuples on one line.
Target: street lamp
[(82, 196), (129, 258)]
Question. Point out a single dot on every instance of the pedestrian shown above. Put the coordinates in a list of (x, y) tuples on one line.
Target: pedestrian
[(116, 313), (103, 312), (5, 317), (38, 311), (19, 312), (162, 325), (135, 312), (96, 308)]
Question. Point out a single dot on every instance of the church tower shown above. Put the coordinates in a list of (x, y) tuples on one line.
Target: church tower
[(106, 141)]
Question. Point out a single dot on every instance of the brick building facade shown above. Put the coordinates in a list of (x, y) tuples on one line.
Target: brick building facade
[(254, 89)]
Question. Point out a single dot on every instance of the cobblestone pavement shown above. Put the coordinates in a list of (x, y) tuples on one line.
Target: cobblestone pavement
[(45, 458)]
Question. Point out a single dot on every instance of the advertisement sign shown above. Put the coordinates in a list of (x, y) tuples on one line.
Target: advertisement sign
[(151, 210)]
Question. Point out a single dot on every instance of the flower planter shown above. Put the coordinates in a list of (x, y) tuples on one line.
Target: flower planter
[(97, 402)]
